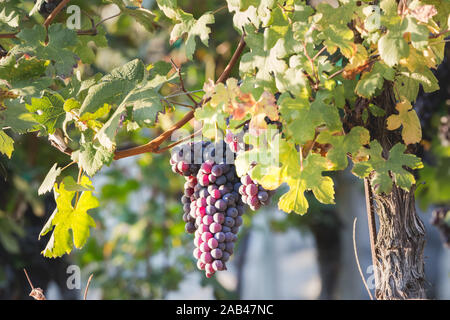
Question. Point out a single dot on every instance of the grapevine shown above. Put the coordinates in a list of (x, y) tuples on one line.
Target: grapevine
[(310, 88)]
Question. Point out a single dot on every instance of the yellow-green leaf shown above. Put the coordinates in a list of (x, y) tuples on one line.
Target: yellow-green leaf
[(407, 117)]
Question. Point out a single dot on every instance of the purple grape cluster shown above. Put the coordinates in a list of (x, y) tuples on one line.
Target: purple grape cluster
[(213, 207), (253, 194)]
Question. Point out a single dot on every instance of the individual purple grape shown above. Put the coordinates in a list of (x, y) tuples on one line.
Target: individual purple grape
[(216, 194), (235, 229), (205, 236), (221, 246), (221, 205), (203, 228), (212, 244), (201, 202), (225, 256), (204, 247), (210, 210), (208, 220), (200, 265), (216, 253), (188, 192), (221, 180), (215, 227), (228, 236), (251, 189), (206, 166), (209, 269), (216, 170), (189, 227), (246, 180), (263, 196), (206, 257), (229, 222), (229, 247), (211, 178), (232, 212), (197, 253), (238, 221), (225, 168), (220, 236), (217, 265), (219, 217), (203, 180), (253, 200), (185, 199), (226, 229)]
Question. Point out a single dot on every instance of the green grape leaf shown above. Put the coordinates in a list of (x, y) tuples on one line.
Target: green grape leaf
[(419, 33), (6, 144), (376, 111), (114, 87), (68, 217), (83, 48), (408, 119), (250, 12), (91, 157), (373, 80), (50, 179), (48, 111), (25, 76), (393, 47), (262, 61), (146, 105), (9, 18), (302, 117), (17, 117), (209, 117), (382, 168), (58, 49), (343, 145), (187, 24)]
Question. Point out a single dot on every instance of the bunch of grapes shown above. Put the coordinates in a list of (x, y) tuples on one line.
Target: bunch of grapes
[(253, 194), (212, 206), (438, 219)]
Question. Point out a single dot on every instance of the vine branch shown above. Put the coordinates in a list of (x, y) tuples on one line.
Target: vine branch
[(55, 12), (153, 146)]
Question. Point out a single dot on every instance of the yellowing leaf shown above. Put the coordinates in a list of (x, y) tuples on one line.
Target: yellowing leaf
[(68, 217), (6, 144), (407, 117)]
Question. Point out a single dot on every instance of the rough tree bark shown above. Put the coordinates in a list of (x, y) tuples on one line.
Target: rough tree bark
[(399, 247), (401, 235)]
